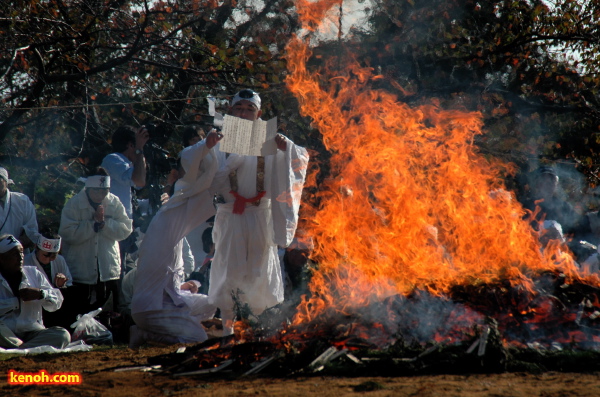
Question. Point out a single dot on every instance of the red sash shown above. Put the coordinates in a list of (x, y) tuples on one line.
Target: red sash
[(240, 201)]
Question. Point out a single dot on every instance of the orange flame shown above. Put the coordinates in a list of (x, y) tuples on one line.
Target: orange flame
[(410, 204)]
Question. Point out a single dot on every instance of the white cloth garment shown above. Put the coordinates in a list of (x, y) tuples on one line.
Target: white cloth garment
[(18, 215), (88, 252), (246, 257), (20, 316), (58, 265), (158, 305), (194, 239), (189, 262), (127, 285)]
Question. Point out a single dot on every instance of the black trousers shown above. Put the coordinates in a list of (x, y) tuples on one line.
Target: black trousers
[(83, 294)]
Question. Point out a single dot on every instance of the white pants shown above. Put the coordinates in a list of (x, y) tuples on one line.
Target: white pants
[(245, 260)]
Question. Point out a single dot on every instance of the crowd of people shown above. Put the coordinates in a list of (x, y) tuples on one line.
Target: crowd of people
[(150, 274)]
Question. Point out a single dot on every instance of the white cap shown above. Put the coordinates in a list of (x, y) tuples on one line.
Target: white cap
[(101, 181), (247, 95), (48, 244), (4, 175)]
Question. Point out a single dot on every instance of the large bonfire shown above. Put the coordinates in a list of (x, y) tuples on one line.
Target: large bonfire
[(410, 208)]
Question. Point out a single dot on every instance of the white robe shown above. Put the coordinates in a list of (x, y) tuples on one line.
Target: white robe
[(58, 265), (18, 215), (158, 305), (246, 257), (24, 316)]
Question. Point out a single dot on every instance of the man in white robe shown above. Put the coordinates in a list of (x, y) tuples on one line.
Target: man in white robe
[(254, 220), (165, 308), (46, 259), (24, 293), (17, 213)]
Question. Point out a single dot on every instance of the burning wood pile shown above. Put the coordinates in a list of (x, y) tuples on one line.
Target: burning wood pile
[(485, 328)]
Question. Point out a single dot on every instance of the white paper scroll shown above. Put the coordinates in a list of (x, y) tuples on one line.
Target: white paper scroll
[(250, 138)]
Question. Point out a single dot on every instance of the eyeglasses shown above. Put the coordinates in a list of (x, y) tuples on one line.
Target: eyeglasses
[(50, 254), (246, 93)]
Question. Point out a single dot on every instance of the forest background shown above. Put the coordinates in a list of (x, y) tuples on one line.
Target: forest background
[(72, 71)]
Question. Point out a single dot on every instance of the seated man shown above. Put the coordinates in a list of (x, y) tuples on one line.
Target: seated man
[(24, 291), (47, 260)]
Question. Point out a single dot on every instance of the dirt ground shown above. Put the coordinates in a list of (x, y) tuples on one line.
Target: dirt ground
[(100, 379)]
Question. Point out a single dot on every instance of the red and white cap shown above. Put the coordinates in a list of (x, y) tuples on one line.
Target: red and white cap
[(48, 244)]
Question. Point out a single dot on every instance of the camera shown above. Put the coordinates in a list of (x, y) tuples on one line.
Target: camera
[(159, 164), (159, 161)]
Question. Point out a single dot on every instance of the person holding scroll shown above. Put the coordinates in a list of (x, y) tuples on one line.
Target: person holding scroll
[(260, 197)]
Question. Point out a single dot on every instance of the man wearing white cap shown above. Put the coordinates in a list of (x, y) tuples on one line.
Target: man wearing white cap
[(47, 260), (260, 212), (24, 292), (17, 213), (91, 225)]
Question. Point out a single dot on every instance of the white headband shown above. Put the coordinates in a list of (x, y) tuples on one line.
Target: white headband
[(98, 181), (247, 95), (8, 243), (48, 245)]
